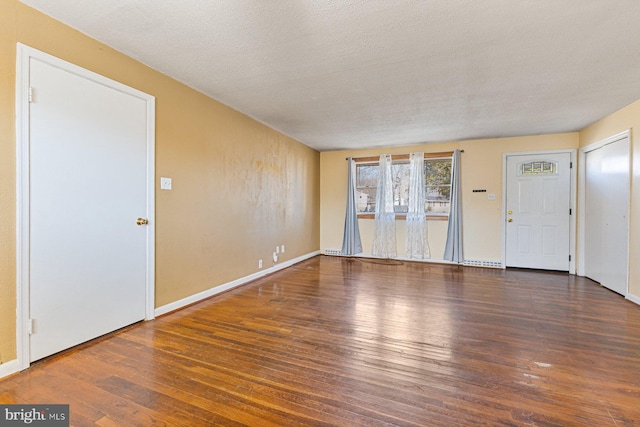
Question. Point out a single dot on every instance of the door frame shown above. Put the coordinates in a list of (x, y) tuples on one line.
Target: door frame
[(582, 181), (24, 54), (572, 224)]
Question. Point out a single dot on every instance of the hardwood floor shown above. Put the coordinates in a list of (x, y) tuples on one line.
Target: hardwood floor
[(337, 341)]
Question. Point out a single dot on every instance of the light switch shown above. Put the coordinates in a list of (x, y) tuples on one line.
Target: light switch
[(165, 183), (491, 196)]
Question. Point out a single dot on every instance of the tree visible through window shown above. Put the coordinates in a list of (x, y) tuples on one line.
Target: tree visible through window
[(437, 186)]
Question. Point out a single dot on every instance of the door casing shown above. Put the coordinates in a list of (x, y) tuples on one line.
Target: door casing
[(572, 225), (24, 55)]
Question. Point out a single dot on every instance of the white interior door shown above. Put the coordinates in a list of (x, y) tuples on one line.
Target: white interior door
[(87, 165), (606, 214), (538, 214)]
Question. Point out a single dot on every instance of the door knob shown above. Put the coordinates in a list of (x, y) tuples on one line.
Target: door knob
[(509, 212), (510, 220), (142, 221)]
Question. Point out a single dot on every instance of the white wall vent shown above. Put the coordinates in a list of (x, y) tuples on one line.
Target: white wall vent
[(333, 252), (482, 263)]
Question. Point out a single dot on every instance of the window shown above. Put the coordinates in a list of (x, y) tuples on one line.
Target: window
[(437, 185), (538, 168)]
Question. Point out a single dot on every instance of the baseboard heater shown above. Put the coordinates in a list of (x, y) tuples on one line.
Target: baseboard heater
[(333, 252), (482, 263)]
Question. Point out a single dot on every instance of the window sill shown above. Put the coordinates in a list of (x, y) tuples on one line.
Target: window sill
[(403, 216)]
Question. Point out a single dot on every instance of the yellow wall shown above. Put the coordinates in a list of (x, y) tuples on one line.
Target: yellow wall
[(626, 118), (7, 182), (481, 168), (239, 187)]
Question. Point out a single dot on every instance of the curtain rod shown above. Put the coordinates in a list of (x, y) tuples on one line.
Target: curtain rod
[(404, 156)]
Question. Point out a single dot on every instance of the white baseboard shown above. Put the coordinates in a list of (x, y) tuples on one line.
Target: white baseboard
[(328, 252), (230, 285), (8, 368), (633, 298)]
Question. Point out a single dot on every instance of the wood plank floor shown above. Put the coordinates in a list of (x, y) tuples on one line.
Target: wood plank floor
[(336, 341)]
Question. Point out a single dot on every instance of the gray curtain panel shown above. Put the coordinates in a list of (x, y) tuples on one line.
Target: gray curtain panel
[(453, 248), (351, 244)]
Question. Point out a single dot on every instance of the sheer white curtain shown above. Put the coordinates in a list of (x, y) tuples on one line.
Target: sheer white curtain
[(384, 227), (417, 241)]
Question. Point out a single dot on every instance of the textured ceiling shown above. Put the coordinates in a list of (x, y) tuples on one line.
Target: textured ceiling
[(337, 74)]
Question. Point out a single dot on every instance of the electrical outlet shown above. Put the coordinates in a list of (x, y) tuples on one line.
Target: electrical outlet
[(491, 196), (259, 263), (282, 250)]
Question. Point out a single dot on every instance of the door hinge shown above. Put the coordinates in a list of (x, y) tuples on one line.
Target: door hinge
[(569, 211), (30, 94), (569, 258), (30, 326), (570, 165)]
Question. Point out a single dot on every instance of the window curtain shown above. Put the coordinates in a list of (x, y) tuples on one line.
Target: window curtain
[(384, 227), (351, 244), (453, 248), (417, 237)]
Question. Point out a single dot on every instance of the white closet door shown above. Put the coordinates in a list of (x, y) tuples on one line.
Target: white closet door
[(606, 214)]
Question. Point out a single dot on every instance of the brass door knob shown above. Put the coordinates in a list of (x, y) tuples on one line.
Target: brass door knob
[(510, 220), (142, 221)]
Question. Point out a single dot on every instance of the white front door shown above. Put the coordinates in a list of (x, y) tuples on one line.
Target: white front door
[(87, 174), (606, 231), (537, 213)]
